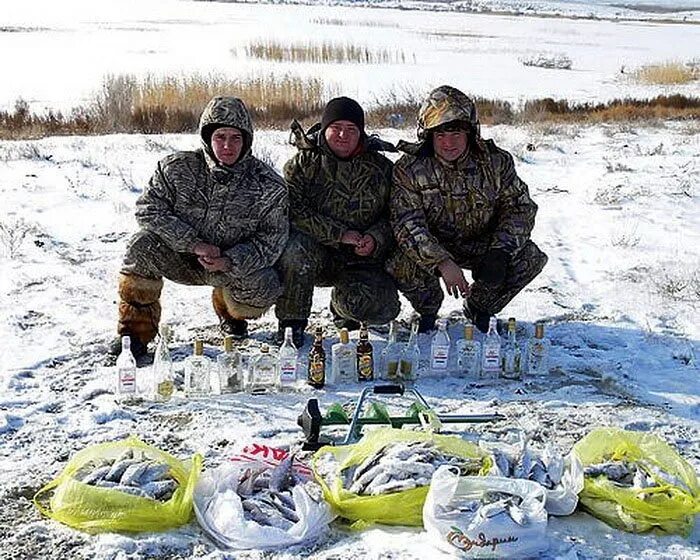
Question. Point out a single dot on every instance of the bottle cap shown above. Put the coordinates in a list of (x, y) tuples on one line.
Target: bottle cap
[(344, 336), (264, 348), (198, 347), (228, 343)]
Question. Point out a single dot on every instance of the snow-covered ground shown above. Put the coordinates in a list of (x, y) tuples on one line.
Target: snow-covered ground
[(618, 217), (56, 54)]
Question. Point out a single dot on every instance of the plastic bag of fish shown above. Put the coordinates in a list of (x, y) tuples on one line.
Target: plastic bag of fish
[(636, 482), (384, 478), (561, 476), (485, 517), (251, 503), (122, 486)]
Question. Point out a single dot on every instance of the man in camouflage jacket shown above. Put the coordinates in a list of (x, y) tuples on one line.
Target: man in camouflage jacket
[(216, 216), (457, 203), (339, 188)]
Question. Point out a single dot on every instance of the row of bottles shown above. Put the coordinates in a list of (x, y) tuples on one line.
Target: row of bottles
[(350, 361)]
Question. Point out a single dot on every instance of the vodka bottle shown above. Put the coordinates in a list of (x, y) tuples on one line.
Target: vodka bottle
[(410, 356), (391, 355), (365, 356), (538, 352), (511, 354), (163, 385), (126, 371), (198, 371), (440, 348), (288, 361), (344, 359), (491, 362), (316, 375), (469, 353), (228, 366), (263, 372)]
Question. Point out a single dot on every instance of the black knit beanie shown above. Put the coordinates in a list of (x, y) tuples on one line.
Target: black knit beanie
[(343, 109)]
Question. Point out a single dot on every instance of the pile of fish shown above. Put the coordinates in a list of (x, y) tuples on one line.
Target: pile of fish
[(400, 466), (133, 473), (547, 469), (266, 494), (635, 474), (491, 504)]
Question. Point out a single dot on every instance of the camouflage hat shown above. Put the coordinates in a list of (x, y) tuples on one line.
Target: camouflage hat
[(229, 112), (445, 104)]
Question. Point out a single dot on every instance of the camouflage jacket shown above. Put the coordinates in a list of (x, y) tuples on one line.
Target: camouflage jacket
[(442, 210), (241, 208), (329, 195)]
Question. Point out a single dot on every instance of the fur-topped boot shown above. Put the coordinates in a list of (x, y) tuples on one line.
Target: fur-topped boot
[(232, 315), (139, 310)]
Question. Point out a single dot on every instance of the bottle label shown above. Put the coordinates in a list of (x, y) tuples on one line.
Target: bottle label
[(365, 367), (288, 370), (165, 389), (406, 368), (492, 358), (467, 357), (127, 380), (440, 357), (317, 371)]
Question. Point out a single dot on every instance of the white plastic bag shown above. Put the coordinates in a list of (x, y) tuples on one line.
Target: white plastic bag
[(470, 534), (563, 498), (219, 508)]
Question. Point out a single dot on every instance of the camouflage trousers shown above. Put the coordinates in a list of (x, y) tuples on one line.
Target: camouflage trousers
[(362, 291), (424, 292), (148, 256)]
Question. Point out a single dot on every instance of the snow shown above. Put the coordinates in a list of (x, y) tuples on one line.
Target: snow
[(619, 218)]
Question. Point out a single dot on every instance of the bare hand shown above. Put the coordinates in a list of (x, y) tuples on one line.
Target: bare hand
[(206, 251), (454, 279), (216, 264), (366, 246), (351, 237)]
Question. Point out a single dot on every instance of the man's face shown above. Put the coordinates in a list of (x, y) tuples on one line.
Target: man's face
[(227, 143), (450, 145), (342, 138)]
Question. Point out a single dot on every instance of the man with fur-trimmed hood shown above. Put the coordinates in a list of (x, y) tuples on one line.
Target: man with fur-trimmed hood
[(215, 217), (457, 203), (340, 236)]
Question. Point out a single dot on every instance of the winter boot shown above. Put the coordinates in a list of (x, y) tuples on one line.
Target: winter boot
[(479, 318), (139, 311), (297, 326), (228, 324), (426, 323)]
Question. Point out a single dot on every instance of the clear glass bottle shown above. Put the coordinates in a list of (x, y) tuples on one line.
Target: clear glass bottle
[(365, 356), (198, 370), (344, 359), (316, 375), (469, 353), (263, 372), (163, 384), (288, 362), (538, 352), (228, 367), (410, 356), (391, 355), (511, 355), (126, 371), (440, 349), (491, 356)]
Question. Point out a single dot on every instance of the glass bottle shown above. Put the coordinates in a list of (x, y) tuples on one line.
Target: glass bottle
[(263, 372), (511, 354), (163, 384), (316, 376), (288, 361), (538, 352), (391, 354), (198, 372), (440, 348), (126, 371), (410, 356), (469, 353), (344, 359), (365, 356), (491, 357), (228, 366)]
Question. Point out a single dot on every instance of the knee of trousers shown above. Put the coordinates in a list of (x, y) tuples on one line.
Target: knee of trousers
[(528, 263), (376, 306), (258, 290), (140, 252)]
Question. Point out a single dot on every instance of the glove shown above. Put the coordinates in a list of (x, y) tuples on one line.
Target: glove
[(492, 268)]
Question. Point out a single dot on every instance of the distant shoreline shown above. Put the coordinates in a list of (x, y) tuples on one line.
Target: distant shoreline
[(449, 6)]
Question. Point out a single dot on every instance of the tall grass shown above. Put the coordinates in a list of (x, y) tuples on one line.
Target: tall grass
[(667, 73), (347, 22), (324, 53)]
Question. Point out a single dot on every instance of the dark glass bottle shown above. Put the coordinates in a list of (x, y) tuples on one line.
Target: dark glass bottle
[(317, 361), (365, 359)]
